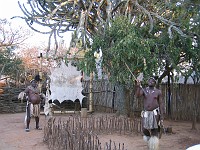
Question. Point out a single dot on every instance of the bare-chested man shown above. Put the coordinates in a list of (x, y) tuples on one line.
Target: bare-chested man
[(152, 115), (34, 100)]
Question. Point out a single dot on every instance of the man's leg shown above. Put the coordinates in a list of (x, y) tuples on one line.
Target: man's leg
[(37, 122), (146, 135), (154, 132), (28, 117), (153, 143), (37, 116)]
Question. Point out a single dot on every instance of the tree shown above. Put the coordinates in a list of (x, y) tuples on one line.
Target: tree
[(11, 65), (10, 36), (10, 39), (87, 18)]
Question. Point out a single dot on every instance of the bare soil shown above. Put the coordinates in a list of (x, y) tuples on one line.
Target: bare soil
[(14, 137)]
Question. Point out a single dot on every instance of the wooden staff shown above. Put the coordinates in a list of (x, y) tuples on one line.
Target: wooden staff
[(130, 72), (135, 78)]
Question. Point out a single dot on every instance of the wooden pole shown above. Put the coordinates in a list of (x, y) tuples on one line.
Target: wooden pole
[(91, 94), (40, 73)]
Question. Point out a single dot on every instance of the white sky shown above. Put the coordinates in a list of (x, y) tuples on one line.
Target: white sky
[(10, 8)]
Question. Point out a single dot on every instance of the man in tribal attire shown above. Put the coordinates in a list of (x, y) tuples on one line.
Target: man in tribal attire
[(33, 104), (152, 115)]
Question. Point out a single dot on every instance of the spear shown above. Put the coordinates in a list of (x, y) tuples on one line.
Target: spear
[(135, 78), (130, 72)]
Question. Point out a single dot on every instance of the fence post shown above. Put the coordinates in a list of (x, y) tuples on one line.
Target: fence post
[(91, 94), (169, 96)]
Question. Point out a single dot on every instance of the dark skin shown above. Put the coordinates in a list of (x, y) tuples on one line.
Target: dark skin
[(34, 98), (152, 100)]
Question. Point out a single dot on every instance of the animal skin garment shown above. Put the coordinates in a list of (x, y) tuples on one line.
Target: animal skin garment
[(66, 83)]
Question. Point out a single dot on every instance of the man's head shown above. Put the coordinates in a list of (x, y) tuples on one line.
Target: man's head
[(151, 82), (34, 83)]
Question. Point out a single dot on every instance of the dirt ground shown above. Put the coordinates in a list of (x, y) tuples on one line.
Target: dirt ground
[(14, 137)]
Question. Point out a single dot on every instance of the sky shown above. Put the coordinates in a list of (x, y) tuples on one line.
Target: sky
[(10, 8)]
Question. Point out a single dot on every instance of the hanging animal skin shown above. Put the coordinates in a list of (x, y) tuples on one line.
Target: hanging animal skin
[(66, 83)]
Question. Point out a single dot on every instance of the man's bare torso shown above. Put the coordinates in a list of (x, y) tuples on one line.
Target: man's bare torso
[(33, 95), (151, 98)]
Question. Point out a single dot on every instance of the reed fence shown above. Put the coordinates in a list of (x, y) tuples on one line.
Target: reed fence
[(76, 133)]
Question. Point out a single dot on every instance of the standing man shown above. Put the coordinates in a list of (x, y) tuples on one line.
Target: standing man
[(33, 104), (152, 115)]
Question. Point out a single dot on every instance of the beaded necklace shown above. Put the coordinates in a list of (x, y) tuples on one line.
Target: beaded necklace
[(150, 91)]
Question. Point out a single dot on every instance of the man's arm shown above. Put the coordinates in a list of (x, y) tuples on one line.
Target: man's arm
[(27, 93), (139, 92)]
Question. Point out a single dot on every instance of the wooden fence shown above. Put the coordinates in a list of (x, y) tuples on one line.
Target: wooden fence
[(185, 101), (182, 101), (77, 133), (9, 102)]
